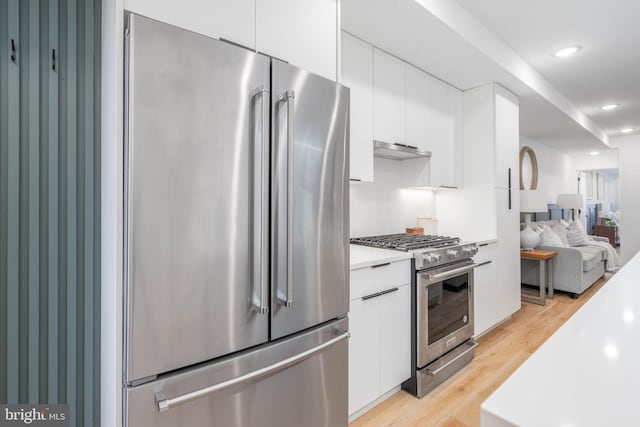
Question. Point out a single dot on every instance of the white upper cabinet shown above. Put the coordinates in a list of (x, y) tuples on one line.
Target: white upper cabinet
[(507, 139), (442, 139), (357, 74), (417, 119), (301, 32), (456, 105), (233, 21), (388, 98)]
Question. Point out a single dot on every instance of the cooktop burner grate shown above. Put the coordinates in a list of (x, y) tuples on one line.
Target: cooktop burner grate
[(406, 241)]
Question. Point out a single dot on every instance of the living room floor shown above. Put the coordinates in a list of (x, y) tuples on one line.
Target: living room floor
[(456, 403)]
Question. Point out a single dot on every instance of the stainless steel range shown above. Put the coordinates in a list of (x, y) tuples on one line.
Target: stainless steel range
[(442, 305)]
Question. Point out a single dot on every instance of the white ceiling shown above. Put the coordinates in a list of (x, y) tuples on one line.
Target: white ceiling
[(605, 71), (406, 29)]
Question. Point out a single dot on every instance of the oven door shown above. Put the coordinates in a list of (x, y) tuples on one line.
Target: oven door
[(445, 309)]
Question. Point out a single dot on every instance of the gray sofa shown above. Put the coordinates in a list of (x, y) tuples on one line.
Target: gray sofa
[(575, 269)]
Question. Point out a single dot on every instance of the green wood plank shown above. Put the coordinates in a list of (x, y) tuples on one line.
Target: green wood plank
[(72, 212), (89, 213), (13, 212), (53, 334), (4, 102), (34, 200)]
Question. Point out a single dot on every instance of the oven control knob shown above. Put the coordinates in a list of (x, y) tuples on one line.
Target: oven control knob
[(436, 257), (469, 250), (452, 253), (428, 259)]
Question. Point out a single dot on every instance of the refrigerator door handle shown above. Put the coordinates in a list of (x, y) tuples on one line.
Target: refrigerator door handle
[(164, 403), (288, 97), (260, 202)]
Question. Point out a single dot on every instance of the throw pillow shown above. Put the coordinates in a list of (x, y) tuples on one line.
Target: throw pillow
[(582, 229), (575, 235), (561, 232), (549, 238)]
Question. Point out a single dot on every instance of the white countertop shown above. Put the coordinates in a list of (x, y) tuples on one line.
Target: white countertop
[(365, 256), (587, 373)]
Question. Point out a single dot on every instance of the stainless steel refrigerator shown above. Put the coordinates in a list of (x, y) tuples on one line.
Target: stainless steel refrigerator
[(236, 223)]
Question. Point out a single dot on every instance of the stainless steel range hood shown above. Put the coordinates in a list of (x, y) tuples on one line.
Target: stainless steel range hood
[(397, 151)]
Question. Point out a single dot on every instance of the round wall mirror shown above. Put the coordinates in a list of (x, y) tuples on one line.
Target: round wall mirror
[(528, 169)]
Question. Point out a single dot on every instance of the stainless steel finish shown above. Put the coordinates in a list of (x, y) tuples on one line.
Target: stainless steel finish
[(288, 98), (437, 368), (397, 151), (447, 273), (442, 369), (310, 235), (433, 257), (164, 403), (189, 136), (260, 208), (425, 352), (311, 392)]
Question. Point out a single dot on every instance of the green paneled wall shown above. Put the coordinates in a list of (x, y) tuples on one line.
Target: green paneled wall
[(50, 204)]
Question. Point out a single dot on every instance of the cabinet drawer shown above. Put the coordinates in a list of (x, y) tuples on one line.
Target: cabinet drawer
[(485, 253), (365, 281)]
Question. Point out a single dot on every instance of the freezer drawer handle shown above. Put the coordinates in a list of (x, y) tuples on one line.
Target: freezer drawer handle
[(165, 404)]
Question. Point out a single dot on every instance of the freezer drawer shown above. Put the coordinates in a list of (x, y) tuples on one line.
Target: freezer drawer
[(299, 381)]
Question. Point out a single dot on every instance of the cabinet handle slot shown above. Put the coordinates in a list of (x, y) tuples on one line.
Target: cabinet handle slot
[(379, 294), (484, 263), (380, 265)]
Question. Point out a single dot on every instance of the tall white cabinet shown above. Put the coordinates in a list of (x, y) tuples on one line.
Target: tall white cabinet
[(489, 206)]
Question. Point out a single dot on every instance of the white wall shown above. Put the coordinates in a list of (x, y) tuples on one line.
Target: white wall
[(556, 174), (605, 160), (384, 206), (629, 179)]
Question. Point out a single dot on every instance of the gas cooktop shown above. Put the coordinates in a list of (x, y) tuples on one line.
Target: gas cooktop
[(406, 241)]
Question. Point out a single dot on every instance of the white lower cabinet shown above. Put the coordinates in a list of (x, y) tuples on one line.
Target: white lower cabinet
[(380, 325), (485, 292)]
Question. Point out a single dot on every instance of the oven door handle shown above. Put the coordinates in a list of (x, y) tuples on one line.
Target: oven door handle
[(430, 277)]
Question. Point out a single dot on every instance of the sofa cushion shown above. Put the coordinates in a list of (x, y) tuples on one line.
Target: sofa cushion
[(591, 256)]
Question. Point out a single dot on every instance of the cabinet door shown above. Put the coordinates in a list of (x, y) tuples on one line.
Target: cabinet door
[(484, 290), (508, 253), (303, 33), (364, 352), (507, 138), (417, 108), (441, 135), (395, 338), (357, 74), (388, 98), (233, 21), (456, 107)]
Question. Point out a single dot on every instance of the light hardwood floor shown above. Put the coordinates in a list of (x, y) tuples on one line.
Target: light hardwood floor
[(456, 403)]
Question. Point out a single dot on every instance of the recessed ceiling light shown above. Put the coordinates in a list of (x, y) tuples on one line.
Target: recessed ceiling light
[(594, 153), (627, 130), (566, 51), (610, 106)]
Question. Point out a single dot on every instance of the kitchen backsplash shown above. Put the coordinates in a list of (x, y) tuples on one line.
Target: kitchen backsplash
[(384, 206)]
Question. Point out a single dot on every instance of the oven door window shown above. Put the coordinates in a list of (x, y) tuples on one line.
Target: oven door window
[(448, 303)]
